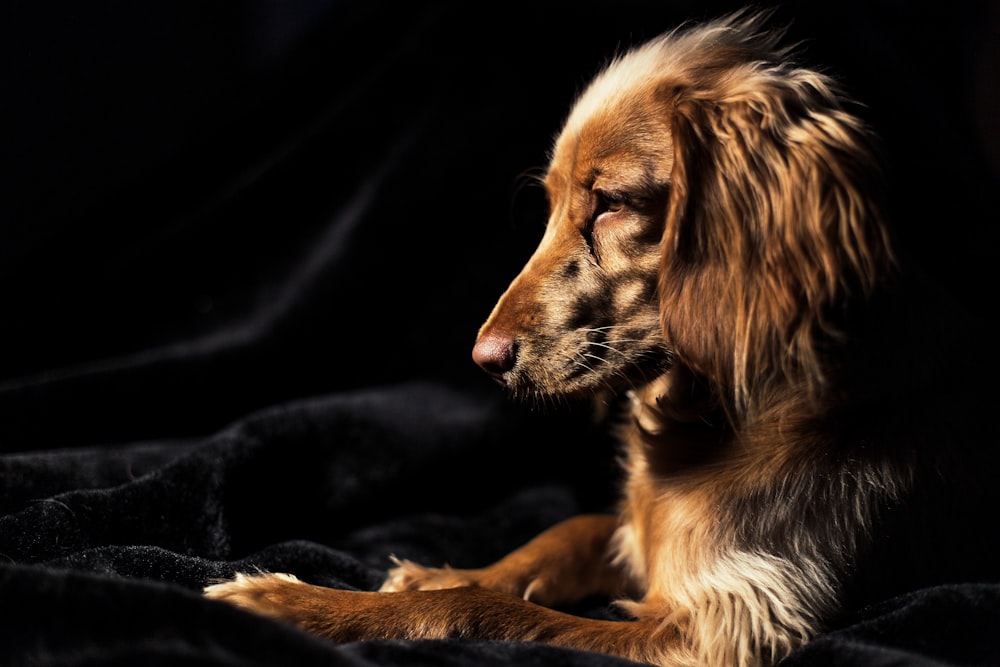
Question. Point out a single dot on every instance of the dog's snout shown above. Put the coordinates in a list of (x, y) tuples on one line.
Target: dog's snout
[(495, 353)]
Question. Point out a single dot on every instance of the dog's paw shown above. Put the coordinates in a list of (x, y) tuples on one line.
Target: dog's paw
[(333, 613), (264, 593), (408, 576)]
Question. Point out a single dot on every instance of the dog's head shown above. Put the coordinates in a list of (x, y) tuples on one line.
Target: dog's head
[(711, 204)]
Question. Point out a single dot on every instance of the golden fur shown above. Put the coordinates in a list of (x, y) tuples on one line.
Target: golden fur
[(801, 434)]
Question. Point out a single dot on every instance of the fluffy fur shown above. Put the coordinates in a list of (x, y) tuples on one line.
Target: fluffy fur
[(802, 434)]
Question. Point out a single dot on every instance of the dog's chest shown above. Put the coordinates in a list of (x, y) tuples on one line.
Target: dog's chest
[(669, 514)]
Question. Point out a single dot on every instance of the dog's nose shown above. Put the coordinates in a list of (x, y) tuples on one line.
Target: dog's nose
[(495, 353)]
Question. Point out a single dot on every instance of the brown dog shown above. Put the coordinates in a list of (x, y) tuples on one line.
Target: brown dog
[(802, 433)]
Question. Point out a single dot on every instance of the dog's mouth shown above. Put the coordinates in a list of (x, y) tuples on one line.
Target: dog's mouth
[(537, 369)]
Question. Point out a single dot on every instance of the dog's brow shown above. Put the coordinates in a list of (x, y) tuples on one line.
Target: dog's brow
[(635, 178)]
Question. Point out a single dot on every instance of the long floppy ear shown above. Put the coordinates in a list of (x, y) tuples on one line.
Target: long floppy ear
[(774, 225)]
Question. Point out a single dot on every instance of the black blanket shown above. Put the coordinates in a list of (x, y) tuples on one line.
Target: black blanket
[(244, 252)]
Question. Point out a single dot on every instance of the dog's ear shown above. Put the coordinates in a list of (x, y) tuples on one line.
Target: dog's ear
[(774, 224)]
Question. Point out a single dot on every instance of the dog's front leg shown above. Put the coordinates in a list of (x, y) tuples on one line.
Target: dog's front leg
[(564, 564), (471, 613)]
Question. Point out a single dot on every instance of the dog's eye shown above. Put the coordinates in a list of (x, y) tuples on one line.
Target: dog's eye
[(610, 202), (606, 204)]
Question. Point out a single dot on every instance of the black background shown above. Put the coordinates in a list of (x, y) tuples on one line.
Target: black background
[(174, 169)]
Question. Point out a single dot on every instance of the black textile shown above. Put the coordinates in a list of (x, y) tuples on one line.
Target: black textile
[(244, 253)]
